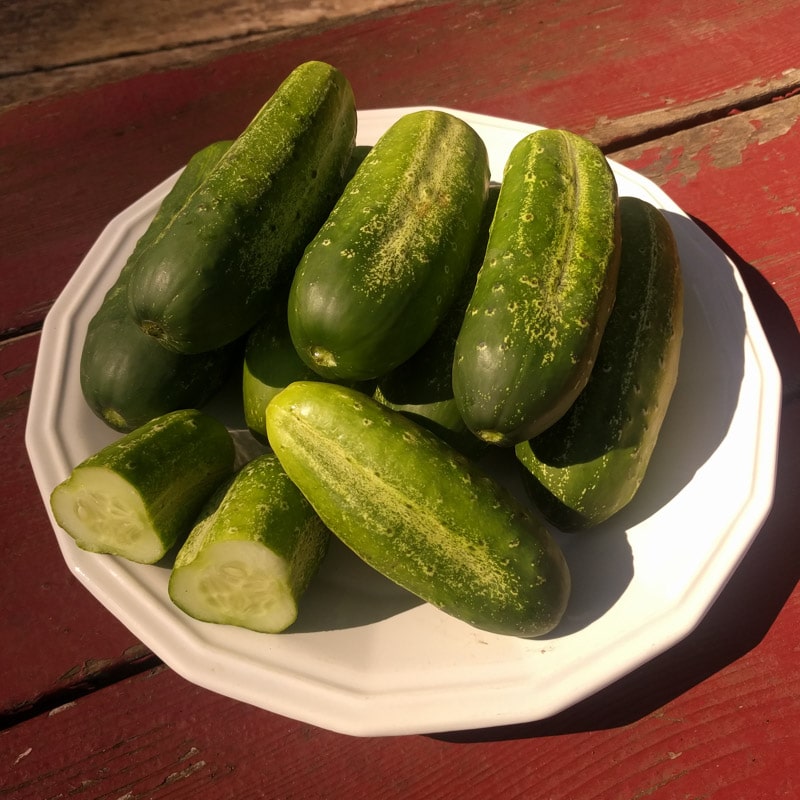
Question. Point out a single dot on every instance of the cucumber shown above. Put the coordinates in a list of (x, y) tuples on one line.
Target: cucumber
[(252, 553), (127, 377), (271, 363), (203, 283), (140, 495), (544, 291), (434, 409), (422, 387), (418, 511), (387, 264), (591, 463), (358, 155)]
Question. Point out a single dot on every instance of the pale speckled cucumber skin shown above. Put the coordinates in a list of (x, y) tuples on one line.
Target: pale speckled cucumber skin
[(387, 264), (174, 462), (422, 386), (418, 511), (259, 504), (591, 463), (127, 377), (544, 292), (202, 284)]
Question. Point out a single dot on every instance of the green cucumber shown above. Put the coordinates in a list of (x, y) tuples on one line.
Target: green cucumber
[(140, 495), (271, 363), (418, 511), (387, 264), (544, 292), (126, 376), (422, 387), (252, 553), (203, 283), (591, 463)]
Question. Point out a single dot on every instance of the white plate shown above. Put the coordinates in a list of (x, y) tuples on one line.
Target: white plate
[(365, 657)]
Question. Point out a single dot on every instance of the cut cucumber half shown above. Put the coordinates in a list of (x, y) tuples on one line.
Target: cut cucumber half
[(140, 495), (105, 514), (252, 553)]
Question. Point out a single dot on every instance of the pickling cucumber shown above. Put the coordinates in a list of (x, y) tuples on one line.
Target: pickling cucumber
[(388, 262), (544, 291), (591, 463), (203, 282), (126, 376), (140, 495), (252, 553), (418, 511)]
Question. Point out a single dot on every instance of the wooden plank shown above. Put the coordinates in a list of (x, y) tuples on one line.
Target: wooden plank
[(119, 140), (41, 35), (48, 48), (730, 49), (56, 639), (717, 716)]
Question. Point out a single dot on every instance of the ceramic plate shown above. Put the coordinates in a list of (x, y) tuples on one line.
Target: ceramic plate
[(366, 657)]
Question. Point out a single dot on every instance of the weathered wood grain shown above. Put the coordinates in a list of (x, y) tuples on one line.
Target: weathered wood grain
[(49, 48), (700, 98), (736, 669), (737, 177)]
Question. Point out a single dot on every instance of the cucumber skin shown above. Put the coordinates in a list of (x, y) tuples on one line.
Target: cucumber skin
[(386, 265), (591, 463), (422, 387), (418, 511), (271, 363), (260, 504), (203, 283), (544, 292), (127, 377), (175, 462)]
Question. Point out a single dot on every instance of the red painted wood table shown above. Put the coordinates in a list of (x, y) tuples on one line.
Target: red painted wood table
[(702, 100)]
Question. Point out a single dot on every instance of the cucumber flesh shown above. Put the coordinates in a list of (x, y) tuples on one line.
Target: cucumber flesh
[(140, 495), (105, 514), (252, 552), (240, 583)]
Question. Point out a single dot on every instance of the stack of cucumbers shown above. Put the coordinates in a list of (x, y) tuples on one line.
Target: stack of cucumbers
[(393, 316)]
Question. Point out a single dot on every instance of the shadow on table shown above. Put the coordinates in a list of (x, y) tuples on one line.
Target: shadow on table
[(751, 600)]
